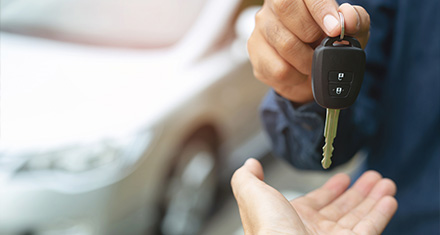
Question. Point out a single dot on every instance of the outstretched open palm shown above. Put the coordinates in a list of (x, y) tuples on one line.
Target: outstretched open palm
[(365, 208)]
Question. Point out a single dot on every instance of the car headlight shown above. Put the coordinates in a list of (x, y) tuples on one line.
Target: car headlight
[(120, 152), (79, 158), (87, 164)]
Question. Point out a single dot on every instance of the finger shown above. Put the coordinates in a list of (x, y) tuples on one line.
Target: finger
[(297, 19), (364, 26), (254, 167), (351, 19), (289, 46), (260, 205), (378, 218), (299, 94), (268, 65), (324, 195), (364, 20), (352, 197), (357, 22), (251, 170), (325, 13), (384, 187), (247, 176)]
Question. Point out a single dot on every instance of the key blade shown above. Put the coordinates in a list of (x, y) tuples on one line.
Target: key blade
[(327, 153), (331, 125)]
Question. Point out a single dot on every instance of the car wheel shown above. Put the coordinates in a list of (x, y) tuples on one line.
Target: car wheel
[(191, 187)]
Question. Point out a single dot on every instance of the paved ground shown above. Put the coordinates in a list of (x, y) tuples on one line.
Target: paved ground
[(291, 182)]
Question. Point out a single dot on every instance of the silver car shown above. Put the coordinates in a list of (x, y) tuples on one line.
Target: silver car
[(122, 117)]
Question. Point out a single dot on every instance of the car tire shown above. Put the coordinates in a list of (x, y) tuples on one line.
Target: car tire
[(191, 187)]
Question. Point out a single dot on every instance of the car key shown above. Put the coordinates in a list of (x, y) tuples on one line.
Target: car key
[(337, 73)]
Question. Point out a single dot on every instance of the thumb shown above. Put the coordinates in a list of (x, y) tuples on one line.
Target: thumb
[(254, 167), (325, 13), (263, 209), (250, 171)]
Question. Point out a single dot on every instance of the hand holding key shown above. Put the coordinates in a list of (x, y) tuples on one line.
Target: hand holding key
[(285, 35)]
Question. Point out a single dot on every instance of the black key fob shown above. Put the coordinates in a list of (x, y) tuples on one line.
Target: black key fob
[(337, 72)]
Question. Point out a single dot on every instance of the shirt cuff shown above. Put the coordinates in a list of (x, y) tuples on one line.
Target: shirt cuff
[(295, 132)]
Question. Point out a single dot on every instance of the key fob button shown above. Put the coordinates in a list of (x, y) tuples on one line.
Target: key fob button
[(340, 76), (337, 90)]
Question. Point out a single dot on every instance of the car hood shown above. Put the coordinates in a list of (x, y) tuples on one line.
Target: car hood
[(53, 93)]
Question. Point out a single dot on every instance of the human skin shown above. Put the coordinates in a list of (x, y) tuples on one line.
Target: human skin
[(285, 35), (364, 208)]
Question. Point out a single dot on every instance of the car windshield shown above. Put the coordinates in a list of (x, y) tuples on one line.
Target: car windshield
[(116, 23)]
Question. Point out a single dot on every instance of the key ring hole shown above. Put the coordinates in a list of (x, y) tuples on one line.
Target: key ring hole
[(337, 42), (340, 43)]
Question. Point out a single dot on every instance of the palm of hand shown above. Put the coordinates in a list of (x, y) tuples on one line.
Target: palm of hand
[(365, 208)]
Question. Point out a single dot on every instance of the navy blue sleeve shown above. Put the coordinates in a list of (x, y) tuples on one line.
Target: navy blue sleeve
[(297, 133)]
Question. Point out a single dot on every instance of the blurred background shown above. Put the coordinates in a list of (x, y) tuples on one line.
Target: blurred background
[(130, 117)]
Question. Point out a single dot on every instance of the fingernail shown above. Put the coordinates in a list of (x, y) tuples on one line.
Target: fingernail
[(330, 22)]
